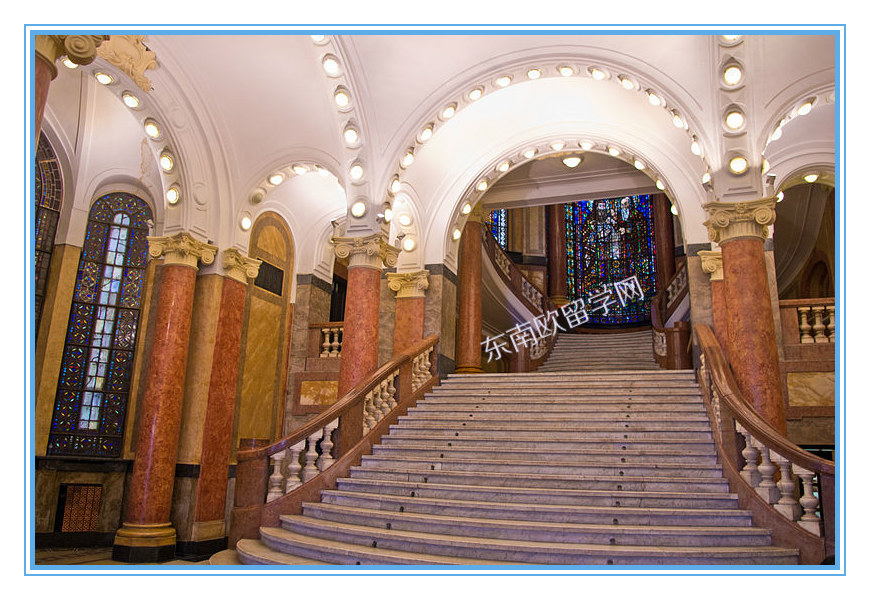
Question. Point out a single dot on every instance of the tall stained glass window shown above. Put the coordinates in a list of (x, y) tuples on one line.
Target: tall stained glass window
[(609, 241), (49, 194), (497, 221), (97, 362)]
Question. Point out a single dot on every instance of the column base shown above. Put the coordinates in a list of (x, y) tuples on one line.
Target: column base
[(468, 370), (559, 300), (144, 543)]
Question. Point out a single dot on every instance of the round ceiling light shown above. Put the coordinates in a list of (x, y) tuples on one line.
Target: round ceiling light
[(696, 147), (331, 66), (351, 136), (587, 145), (481, 187), (732, 75), (780, 196), (130, 100), (571, 161), (566, 71), (300, 169), (613, 151), (395, 185), (653, 98), (626, 82), (276, 178), (408, 244), (530, 153), (405, 219), (104, 78), (660, 184), (173, 195), (70, 64), (678, 121), (503, 167), (408, 158), (734, 120), (466, 208), (152, 129), (475, 94), (388, 213), (167, 163), (358, 209), (448, 112), (457, 233), (597, 73), (356, 172), (674, 210), (811, 177), (533, 73), (638, 164), (805, 108), (503, 81), (738, 165), (426, 134), (245, 222), (342, 98), (558, 145)]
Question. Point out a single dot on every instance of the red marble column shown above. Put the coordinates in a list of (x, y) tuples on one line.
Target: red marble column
[(750, 330), (557, 260), (469, 335), (720, 316), (147, 534), (663, 223)]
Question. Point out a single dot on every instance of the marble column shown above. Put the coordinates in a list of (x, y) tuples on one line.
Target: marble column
[(209, 525), (359, 348), (663, 223), (557, 260), (410, 291), (468, 329), (147, 534), (740, 229), (80, 49), (711, 263)]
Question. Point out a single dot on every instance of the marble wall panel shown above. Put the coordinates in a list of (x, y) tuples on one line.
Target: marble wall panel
[(261, 348), (47, 489), (811, 389)]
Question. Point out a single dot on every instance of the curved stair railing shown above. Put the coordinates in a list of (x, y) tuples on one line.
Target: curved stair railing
[(276, 479), (527, 293), (670, 343), (788, 490)]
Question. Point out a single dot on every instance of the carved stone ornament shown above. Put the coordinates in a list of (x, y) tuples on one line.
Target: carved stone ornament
[(409, 285), (80, 49), (238, 266), (711, 262), (729, 220), (181, 249), (366, 251), (130, 54)]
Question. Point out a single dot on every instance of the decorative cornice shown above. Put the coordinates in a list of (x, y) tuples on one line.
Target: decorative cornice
[(409, 285), (181, 249), (730, 220), (239, 267), (130, 54), (367, 251), (711, 262), (80, 49)]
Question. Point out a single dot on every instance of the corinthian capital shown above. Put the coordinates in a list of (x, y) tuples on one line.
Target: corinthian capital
[(729, 220), (711, 262), (130, 54), (80, 49), (181, 249), (238, 266), (367, 251), (409, 285)]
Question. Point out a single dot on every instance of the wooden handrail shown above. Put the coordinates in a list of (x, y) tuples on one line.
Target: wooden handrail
[(798, 302), (668, 349), (413, 374), (730, 412)]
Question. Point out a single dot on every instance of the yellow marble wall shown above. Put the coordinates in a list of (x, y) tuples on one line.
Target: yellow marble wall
[(203, 330), (811, 389), (260, 348), (318, 393), (52, 335)]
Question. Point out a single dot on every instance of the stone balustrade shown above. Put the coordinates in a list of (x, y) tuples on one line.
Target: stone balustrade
[(325, 339)]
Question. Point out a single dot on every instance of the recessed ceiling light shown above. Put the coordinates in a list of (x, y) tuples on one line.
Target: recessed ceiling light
[(245, 222), (104, 78), (426, 134), (597, 73), (678, 120), (69, 64), (395, 185), (482, 185), (358, 209), (780, 196), (571, 161), (166, 162), (300, 169), (457, 233), (342, 98), (626, 82), (503, 81), (638, 164), (557, 145), (805, 108), (475, 94), (356, 172), (503, 167), (351, 136), (448, 112), (130, 100), (388, 213), (738, 165), (466, 208), (674, 210), (587, 145), (530, 153), (566, 71), (405, 219), (732, 75), (408, 158), (276, 178), (696, 147), (705, 178), (777, 133), (152, 129), (731, 38), (811, 178), (653, 98), (408, 244), (660, 184), (173, 195), (317, 38), (613, 150), (734, 120), (331, 65), (322, 172), (533, 73)]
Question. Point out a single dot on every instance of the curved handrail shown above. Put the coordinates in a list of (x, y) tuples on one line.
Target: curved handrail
[(379, 399), (794, 521)]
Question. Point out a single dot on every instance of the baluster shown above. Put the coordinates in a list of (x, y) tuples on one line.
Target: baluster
[(819, 325), (767, 488), (415, 372), (391, 392), (339, 338), (276, 479), (787, 506), (832, 323), (714, 399), (324, 333), (310, 469), (293, 466), (368, 413), (749, 473), (809, 502), (804, 314), (326, 459), (380, 401)]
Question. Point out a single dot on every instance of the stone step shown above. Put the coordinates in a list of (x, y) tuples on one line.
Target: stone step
[(565, 409), (255, 552), (225, 557), (667, 375), (525, 551), (575, 444), (545, 480), (576, 467), (543, 495), (572, 391), (519, 433), (338, 553), (603, 456), (562, 403), (532, 416), (552, 513)]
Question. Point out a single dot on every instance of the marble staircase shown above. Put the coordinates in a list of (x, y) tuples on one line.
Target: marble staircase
[(579, 467), (601, 351)]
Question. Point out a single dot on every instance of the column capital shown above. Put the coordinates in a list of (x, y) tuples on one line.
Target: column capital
[(368, 251), (409, 285), (181, 249), (239, 267), (129, 54), (730, 220), (711, 262), (80, 49)]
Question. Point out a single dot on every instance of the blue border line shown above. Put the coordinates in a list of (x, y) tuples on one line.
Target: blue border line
[(837, 30)]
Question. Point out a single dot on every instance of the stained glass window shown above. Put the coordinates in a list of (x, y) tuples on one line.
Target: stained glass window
[(97, 362), (497, 221), (48, 194), (609, 241)]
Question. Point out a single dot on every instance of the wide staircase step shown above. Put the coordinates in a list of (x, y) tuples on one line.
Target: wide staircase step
[(594, 461)]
